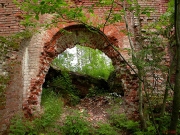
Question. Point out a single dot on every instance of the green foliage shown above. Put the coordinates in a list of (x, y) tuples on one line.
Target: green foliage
[(3, 81), (105, 129), (164, 123), (94, 91), (76, 125), (76, 122), (63, 86), (57, 8), (18, 127), (8, 43), (120, 121), (52, 107), (64, 61), (149, 131), (94, 63), (89, 61)]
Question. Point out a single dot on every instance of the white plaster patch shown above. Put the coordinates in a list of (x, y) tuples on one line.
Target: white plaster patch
[(25, 72)]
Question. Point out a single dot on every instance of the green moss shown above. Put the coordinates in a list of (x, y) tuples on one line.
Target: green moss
[(3, 82)]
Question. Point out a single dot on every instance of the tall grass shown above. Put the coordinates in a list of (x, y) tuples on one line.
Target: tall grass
[(52, 109)]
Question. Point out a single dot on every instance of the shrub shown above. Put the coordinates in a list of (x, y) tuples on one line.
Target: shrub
[(18, 126), (121, 122), (164, 123), (105, 129), (76, 125)]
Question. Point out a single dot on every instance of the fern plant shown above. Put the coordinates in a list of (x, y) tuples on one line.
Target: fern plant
[(76, 124)]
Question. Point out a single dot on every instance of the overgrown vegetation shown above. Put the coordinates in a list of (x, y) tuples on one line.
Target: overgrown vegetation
[(51, 121), (3, 82), (63, 85), (45, 123), (76, 124)]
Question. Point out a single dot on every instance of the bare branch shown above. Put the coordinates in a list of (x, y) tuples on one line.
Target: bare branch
[(109, 14)]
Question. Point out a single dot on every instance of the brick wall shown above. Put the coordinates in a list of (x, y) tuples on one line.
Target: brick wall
[(10, 16), (158, 6)]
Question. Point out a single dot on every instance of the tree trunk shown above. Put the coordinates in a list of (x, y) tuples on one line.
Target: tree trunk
[(176, 98)]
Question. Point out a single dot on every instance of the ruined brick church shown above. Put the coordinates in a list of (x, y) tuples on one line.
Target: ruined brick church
[(32, 60)]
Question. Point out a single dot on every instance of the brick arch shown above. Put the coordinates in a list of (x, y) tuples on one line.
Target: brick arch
[(68, 38)]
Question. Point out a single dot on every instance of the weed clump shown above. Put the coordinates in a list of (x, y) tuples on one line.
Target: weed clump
[(76, 124)]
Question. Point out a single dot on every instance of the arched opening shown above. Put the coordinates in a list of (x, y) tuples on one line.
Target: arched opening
[(80, 72), (68, 38)]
